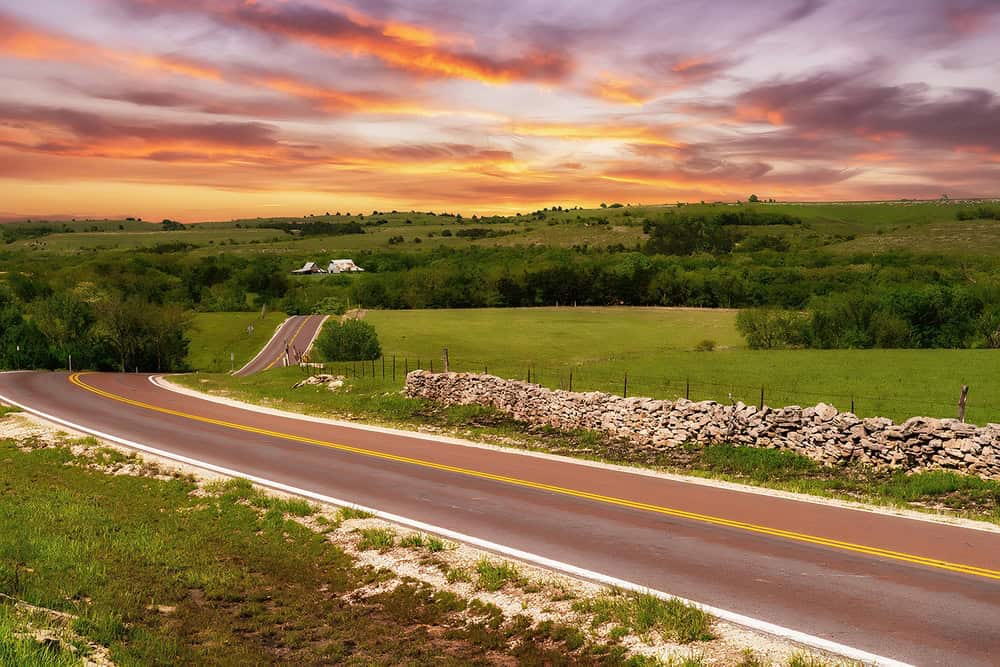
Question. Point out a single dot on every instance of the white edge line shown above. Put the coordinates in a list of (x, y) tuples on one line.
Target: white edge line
[(898, 513), (732, 617), (266, 345)]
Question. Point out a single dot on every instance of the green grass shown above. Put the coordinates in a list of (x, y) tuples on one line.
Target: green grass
[(18, 646), (346, 513), (161, 575), (644, 613), (378, 539), (493, 576), (8, 410), (853, 227), (214, 336), (656, 347)]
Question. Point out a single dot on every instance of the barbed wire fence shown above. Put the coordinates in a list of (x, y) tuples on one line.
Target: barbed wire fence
[(390, 370)]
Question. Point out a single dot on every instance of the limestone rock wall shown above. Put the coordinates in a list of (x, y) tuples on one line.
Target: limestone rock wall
[(819, 432)]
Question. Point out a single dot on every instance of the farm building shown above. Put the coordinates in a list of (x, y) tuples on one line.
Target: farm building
[(343, 266), (308, 268)]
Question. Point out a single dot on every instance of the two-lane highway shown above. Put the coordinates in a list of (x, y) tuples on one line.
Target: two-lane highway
[(913, 590), (289, 343)]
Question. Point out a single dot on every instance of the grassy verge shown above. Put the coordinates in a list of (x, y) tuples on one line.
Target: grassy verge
[(155, 569), (214, 336), (367, 399)]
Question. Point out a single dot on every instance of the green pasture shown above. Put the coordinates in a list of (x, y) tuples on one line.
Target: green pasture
[(919, 227), (214, 336), (657, 348)]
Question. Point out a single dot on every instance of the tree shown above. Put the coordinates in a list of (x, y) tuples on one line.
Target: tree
[(753, 199), (65, 320), (769, 328), (350, 340), (683, 235), (122, 323)]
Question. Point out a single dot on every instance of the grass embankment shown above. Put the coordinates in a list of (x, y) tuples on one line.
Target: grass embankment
[(657, 348), (367, 400), (160, 570), (214, 336)]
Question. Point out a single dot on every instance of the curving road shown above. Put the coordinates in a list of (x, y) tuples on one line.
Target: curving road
[(288, 344), (913, 590)]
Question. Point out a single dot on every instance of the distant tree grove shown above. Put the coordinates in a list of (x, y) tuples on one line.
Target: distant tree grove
[(114, 310)]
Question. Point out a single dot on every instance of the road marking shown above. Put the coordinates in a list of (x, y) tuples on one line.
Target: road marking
[(610, 500), (726, 615), (277, 330), (292, 339)]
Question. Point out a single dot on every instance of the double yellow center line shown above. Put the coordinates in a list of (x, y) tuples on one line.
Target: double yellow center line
[(610, 500), (292, 339)]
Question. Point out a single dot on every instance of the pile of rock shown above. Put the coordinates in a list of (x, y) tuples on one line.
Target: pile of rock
[(820, 432), (332, 382)]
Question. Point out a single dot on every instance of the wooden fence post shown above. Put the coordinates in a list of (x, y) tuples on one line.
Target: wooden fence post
[(687, 389), (761, 406), (625, 388), (571, 379), (961, 402), (447, 366)]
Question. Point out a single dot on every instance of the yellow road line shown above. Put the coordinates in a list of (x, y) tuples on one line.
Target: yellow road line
[(294, 336), (621, 502)]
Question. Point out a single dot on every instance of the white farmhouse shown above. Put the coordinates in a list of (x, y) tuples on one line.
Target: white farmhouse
[(343, 266)]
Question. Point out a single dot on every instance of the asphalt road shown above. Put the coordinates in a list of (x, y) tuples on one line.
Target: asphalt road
[(912, 590), (295, 334)]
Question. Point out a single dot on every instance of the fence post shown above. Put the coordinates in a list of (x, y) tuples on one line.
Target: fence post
[(446, 365), (961, 402), (432, 365), (761, 406), (529, 374), (625, 388), (687, 389), (486, 369), (571, 379)]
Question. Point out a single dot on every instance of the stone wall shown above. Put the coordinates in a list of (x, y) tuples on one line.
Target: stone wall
[(819, 432)]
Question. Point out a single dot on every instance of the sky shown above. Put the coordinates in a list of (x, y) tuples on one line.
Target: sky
[(217, 109)]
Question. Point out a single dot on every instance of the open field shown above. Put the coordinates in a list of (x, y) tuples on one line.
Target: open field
[(657, 348), (214, 336), (919, 227)]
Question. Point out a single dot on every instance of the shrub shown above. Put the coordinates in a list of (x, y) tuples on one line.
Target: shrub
[(351, 340), (769, 328), (707, 345), (330, 306)]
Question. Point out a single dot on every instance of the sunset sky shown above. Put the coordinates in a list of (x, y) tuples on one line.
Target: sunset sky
[(214, 109)]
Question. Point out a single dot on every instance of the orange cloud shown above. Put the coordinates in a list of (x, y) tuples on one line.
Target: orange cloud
[(402, 46), (23, 41), (623, 91), (595, 132)]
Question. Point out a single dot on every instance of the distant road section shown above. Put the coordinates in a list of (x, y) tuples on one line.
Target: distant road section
[(288, 345)]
